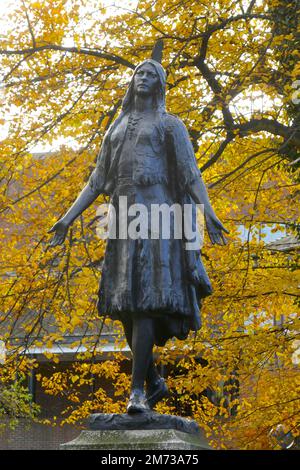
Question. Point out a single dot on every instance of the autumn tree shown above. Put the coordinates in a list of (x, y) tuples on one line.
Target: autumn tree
[(233, 78)]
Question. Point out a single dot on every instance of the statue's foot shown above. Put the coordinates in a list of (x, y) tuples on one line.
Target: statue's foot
[(137, 402), (156, 392)]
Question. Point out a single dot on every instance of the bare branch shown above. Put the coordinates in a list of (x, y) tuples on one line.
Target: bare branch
[(75, 50), (218, 153), (270, 125), (212, 185), (15, 67), (29, 26)]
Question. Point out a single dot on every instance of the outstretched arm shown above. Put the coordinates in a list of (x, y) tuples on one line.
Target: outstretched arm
[(189, 177), (88, 195), (83, 201), (214, 226)]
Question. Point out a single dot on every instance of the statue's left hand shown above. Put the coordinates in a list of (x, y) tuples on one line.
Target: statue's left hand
[(61, 230), (215, 229)]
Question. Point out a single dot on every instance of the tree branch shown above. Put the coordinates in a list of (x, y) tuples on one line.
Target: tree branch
[(29, 26), (239, 167), (270, 125), (218, 153), (75, 50)]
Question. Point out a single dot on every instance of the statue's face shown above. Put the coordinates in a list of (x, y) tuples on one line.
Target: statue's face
[(145, 80)]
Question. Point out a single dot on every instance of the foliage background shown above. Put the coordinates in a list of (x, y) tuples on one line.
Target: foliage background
[(232, 72)]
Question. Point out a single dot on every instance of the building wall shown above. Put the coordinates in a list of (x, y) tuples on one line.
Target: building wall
[(35, 436)]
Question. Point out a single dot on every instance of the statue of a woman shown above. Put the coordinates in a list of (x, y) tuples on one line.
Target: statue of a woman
[(154, 285)]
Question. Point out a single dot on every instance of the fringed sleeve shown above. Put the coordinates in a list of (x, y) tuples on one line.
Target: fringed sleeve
[(185, 171), (97, 179), (182, 152)]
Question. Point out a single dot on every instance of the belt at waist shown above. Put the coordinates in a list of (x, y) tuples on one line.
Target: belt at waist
[(146, 181), (125, 180)]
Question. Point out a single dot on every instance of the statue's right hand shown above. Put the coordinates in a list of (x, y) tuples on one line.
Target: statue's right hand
[(61, 230)]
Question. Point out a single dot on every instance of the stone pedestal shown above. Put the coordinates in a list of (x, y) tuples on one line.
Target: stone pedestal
[(141, 431)]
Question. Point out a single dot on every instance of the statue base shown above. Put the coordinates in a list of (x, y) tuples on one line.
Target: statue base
[(140, 431)]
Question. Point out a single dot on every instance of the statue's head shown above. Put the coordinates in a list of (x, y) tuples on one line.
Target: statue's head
[(149, 78), (146, 81)]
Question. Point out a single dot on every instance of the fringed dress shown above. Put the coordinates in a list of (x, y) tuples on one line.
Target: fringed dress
[(149, 276)]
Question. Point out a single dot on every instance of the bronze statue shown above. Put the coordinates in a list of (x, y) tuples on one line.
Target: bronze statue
[(154, 285)]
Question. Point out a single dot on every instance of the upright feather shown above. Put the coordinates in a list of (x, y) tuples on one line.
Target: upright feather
[(157, 51)]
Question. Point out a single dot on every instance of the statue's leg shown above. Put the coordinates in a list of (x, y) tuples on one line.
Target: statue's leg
[(152, 373), (142, 346), (141, 337), (156, 389)]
